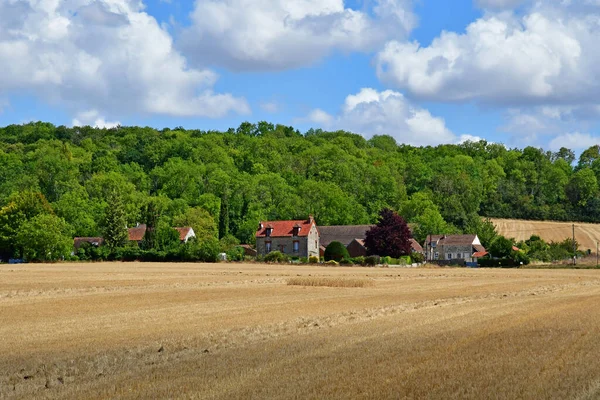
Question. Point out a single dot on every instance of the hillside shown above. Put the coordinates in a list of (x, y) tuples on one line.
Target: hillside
[(585, 234)]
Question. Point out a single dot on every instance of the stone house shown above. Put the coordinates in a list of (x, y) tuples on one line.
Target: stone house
[(463, 248), (294, 238)]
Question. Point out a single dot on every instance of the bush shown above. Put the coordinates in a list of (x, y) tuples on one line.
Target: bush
[(346, 261), (303, 260), (417, 257), (336, 251), (404, 260), (130, 254), (235, 254), (313, 260), (332, 263), (371, 261), (276, 257), (358, 260), (208, 250)]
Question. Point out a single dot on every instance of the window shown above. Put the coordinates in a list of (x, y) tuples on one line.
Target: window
[(269, 230), (296, 246), (458, 255), (467, 255), (268, 247), (449, 256), (436, 256)]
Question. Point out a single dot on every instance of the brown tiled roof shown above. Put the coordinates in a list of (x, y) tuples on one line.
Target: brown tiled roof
[(416, 247), (457, 240), (183, 232), (343, 233), (285, 228), (137, 234), (480, 254), (479, 248), (95, 241)]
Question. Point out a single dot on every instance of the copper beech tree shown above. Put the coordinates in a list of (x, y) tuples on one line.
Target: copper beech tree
[(390, 237)]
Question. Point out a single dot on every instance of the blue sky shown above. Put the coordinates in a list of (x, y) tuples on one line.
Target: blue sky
[(519, 72)]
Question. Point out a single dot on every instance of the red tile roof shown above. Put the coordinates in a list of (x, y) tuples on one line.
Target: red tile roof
[(416, 247), (183, 232), (480, 254), (284, 228), (137, 234)]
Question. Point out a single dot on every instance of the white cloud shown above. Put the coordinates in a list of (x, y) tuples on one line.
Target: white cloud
[(93, 118), (105, 55), (280, 34), (499, 4), (370, 112), (574, 141), (468, 138), (320, 117), (546, 57), (270, 107)]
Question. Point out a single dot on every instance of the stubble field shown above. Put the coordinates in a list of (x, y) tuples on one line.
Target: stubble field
[(230, 331), (587, 235)]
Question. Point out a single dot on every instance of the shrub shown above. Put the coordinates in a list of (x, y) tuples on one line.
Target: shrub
[(276, 257), (130, 254), (303, 260), (346, 261), (358, 260), (336, 251), (208, 250), (332, 263), (313, 260), (371, 261), (235, 254), (417, 257), (404, 260)]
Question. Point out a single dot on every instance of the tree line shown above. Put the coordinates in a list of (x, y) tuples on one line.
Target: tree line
[(223, 182)]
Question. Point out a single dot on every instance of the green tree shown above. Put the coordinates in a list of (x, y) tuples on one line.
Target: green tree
[(582, 186), (114, 223), (501, 247), (45, 237), (336, 251), (199, 220), (21, 207)]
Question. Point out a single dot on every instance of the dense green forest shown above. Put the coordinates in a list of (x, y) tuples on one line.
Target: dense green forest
[(231, 180)]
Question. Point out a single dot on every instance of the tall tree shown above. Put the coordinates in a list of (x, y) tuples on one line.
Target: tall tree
[(45, 237), (390, 237), (115, 221)]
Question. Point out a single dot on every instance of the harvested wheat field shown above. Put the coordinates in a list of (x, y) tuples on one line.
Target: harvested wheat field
[(231, 331), (586, 234)]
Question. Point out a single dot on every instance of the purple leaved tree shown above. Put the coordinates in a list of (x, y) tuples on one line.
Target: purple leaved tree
[(390, 237)]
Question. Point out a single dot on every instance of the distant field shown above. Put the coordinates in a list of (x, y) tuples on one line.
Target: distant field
[(237, 331), (585, 234)]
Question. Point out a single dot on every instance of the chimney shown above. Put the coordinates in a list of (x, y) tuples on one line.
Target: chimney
[(310, 218)]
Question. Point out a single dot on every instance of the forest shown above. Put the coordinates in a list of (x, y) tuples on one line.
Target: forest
[(223, 183)]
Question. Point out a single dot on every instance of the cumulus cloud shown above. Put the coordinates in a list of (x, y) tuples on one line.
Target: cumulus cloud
[(545, 57), (574, 141), (370, 112), (280, 34), (94, 119), (104, 55)]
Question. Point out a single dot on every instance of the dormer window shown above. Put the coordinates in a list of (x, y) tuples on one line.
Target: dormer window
[(296, 230), (268, 232)]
